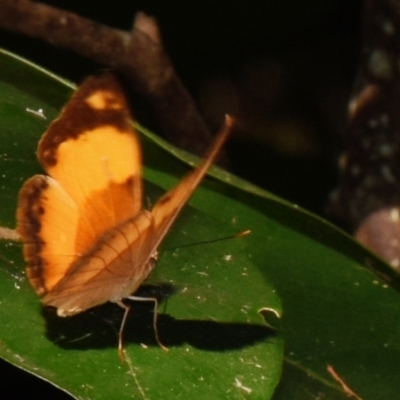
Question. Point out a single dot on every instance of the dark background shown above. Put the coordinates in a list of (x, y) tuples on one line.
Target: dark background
[(285, 68)]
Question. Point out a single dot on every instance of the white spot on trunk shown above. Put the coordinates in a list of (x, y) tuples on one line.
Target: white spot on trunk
[(388, 27), (379, 64), (394, 215)]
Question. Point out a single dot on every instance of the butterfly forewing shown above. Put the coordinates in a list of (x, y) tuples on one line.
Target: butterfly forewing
[(93, 153)]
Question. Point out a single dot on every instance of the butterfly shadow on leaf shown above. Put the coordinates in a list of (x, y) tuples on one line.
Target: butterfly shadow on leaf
[(98, 328)]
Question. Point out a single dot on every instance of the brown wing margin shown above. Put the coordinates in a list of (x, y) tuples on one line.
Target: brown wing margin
[(48, 248)]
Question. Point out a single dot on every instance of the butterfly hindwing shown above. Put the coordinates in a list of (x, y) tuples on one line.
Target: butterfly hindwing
[(112, 270)]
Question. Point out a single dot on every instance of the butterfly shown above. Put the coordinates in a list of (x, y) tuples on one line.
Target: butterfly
[(86, 237)]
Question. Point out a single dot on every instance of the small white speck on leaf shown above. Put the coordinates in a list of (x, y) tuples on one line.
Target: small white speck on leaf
[(239, 385), (38, 113)]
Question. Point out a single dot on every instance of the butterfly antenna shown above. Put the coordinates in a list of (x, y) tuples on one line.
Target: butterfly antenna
[(234, 236)]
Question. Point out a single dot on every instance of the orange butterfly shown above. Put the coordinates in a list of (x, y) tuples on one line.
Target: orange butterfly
[(87, 239)]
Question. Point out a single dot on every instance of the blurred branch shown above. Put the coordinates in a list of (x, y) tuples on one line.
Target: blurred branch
[(138, 55)]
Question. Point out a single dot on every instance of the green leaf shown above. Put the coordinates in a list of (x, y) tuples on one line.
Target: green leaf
[(219, 344), (336, 312)]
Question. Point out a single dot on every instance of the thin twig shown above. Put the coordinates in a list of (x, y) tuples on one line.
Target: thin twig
[(342, 383)]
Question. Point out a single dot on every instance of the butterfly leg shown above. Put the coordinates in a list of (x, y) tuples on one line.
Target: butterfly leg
[(155, 301), (121, 329)]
